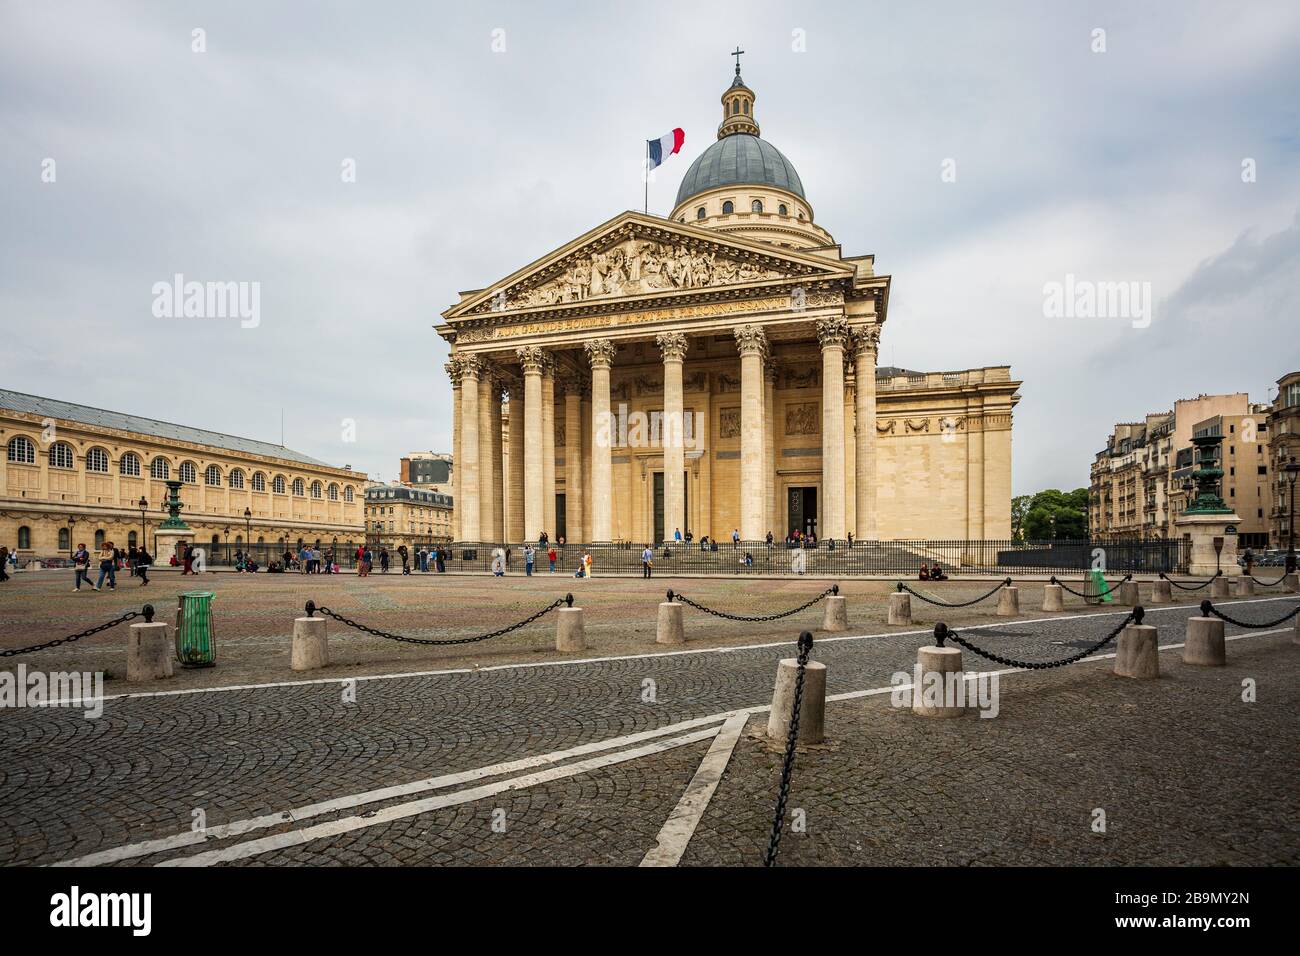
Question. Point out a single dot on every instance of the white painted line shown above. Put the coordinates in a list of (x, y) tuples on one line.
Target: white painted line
[(637, 657), (681, 823), (298, 814), (400, 811)]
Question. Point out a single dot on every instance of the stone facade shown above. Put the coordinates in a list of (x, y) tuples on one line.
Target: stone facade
[(716, 372), (68, 478), (397, 514)]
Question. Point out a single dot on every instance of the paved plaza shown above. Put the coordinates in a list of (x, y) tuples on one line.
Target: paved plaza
[(507, 752)]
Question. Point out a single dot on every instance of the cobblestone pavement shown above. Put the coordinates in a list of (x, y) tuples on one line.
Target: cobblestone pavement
[(71, 786)]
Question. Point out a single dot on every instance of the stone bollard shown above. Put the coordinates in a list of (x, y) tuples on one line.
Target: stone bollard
[(1219, 587), (1292, 582), (569, 632), (836, 617), (311, 649), (812, 707), (1161, 592), (1204, 644), (941, 661), (149, 652), (1245, 586), (1137, 654), (900, 608), (1053, 597), (1128, 594), (1009, 601), (669, 630)]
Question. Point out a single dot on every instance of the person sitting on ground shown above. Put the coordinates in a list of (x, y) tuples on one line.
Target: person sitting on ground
[(936, 574), (925, 572)]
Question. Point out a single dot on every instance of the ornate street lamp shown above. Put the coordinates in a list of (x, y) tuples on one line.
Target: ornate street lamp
[(72, 521), (225, 534), (1292, 471), (143, 506), (248, 530)]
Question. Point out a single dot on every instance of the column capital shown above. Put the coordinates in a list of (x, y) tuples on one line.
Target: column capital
[(600, 352), (865, 337), (531, 357), (833, 332), (673, 345), (454, 368), (471, 366), (771, 371), (751, 340)]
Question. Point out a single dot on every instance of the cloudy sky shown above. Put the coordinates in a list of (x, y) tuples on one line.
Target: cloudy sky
[(485, 135)]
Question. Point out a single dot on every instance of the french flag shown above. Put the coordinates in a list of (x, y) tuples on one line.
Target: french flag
[(660, 149)]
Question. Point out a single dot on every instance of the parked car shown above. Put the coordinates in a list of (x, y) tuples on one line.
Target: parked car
[(56, 563)]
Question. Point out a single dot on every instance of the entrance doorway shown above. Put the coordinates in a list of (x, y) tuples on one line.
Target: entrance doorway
[(802, 510), (561, 519), (662, 533)]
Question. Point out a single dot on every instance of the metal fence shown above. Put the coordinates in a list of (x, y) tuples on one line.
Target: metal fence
[(834, 557)]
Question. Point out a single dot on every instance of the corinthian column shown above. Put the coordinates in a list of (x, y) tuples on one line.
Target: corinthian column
[(833, 334), (866, 339), (601, 354), (574, 494), (770, 509), (548, 444), (488, 497), (531, 358), (673, 345), (514, 479), (752, 342), (453, 373), (468, 505)]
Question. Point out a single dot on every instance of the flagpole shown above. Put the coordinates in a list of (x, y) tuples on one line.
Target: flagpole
[(645, 174)]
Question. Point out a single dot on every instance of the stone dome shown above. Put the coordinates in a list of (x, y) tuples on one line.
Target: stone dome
[(739, 159)]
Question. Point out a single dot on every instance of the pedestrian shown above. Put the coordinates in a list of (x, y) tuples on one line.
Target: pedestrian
[(4, 560), (187, 559), (498, 563), (106, 567), (383, 560), (422, 557), (735, 537), (530, 556), (586, 563), (142, 562), (406, 558), (81, 565), (677, 535), (551, 556), (647, 561)]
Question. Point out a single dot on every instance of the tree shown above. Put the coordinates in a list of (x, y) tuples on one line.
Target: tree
[(1056, 514), (1019, 508)]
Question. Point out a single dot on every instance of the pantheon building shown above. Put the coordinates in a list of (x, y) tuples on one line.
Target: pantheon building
[(714, 371)]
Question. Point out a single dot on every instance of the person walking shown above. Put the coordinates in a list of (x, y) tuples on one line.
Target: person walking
[(106, 567), (735, 537), (406, 559), (551, 556), (647, 561), (530, 555), (81, 565), (187, 559), (142, 562), (383, 560), (4, 561)]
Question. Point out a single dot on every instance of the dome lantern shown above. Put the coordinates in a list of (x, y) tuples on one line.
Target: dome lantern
[(737, 106)]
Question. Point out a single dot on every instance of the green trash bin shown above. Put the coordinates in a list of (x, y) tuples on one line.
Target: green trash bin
[(195, 640)]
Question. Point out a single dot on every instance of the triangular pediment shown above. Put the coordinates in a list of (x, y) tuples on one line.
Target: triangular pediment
[(635, 256)]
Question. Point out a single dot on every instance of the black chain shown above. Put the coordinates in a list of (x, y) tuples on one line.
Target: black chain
[(1109, 587), (942, 633), (128, 616), (1267, 584), (1184, 587), (1207, 609), (930, 600), (791, 744), (833, 589), (311, 607)]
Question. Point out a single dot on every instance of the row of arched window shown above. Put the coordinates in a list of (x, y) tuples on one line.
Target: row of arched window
[(729, 207), (22, 450)]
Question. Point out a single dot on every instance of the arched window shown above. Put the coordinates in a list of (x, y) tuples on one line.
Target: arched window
[(99, 539), (188, 473), (158, 468), (22, 450), (260, 541), (212, 476), (131, 539), (65, 540), (801, 217), (259, 481), (782, 210), (24, 538), (97, 460), (756, 206), (236, 478), (699, 213), (129, 465), (745, 106), (315, 489), (299, 488), (277, 484), (333, 492), (60, 455), (347, 493), (728, 208)]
